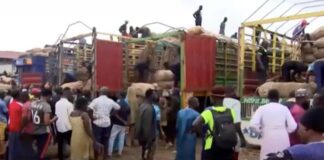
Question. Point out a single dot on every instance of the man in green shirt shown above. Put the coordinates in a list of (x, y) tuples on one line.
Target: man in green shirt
[(217, 115)]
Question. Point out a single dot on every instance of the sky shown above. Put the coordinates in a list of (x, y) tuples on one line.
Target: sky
[(27, 24)]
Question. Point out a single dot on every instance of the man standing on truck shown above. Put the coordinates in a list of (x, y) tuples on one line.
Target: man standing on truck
[(197, 16), (123, 29), (299, 31), (262, 62), (222, 27)]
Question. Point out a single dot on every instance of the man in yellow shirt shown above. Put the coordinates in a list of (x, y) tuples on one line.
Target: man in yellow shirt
[(220, 138)]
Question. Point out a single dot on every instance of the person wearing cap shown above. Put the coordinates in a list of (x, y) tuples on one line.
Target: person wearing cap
[(3, 122), (299, 31), (102, 108), (41, 120), (275, 123), (311, 131)]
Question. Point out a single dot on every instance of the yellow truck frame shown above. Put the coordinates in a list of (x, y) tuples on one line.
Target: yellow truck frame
[(253, 25)]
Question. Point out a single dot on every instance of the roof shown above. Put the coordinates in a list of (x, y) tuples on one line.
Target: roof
[(9, 54)]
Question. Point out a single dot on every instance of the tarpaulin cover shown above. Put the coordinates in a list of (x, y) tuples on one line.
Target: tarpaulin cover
[(199, 63), (109, 67)]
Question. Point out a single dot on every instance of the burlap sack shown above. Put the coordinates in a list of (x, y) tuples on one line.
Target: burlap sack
[(87, 86), (307, 49), (319, 53), (73, 85), (163, 75), (308, 58), (5, 79), (82, 74), (195, 30), (165, 84), (285, 88), (318, 33), (135, 94), (319, 43), (5, 87)]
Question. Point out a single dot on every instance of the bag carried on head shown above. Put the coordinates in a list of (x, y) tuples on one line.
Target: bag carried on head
[(224, 132)]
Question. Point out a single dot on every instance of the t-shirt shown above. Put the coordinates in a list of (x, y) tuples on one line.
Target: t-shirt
[(123, 113), (207, 115), (234, 104), (15, 115), (63, 109), (38, 110)]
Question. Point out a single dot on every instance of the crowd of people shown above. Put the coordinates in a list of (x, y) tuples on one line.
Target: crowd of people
[(36, 118)]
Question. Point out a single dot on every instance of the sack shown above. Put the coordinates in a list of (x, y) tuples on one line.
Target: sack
[(308, 58), (319, 43), (165, 84), (163, 75), (224, 132), (319, 53), (318, 33), (195, 30)]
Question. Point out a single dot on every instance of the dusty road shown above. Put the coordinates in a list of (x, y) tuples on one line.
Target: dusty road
[(134, 153)]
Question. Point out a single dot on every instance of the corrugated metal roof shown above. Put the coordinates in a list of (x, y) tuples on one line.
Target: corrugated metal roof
[(10, 54)]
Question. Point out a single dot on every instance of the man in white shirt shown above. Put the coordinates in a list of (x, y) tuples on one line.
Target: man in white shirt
[(102, 108), (231, 102), (63, 109)]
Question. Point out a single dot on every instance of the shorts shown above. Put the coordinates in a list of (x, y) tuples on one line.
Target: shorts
[(2, 131)]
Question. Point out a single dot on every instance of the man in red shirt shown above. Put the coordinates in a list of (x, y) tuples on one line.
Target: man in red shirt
[(15, 116)]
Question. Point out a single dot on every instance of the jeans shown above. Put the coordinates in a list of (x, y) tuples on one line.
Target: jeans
[(42, 142), (120, 132), (102, 135), (61, 138)]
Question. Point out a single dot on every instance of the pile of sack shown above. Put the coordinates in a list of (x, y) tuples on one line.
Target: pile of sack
[(164, 79), (314, 48)]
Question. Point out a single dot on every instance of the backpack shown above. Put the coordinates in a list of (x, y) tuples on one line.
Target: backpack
[(224, 132)]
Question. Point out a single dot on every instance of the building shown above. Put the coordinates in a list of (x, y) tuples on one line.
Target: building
[(7, 59)]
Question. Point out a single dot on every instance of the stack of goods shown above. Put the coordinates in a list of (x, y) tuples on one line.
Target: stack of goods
[(164, 79), (318, 37), (285, 88), (135, 91), (314, 48)]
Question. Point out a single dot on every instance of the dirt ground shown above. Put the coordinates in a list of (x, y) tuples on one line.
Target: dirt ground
[(134, 153)]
